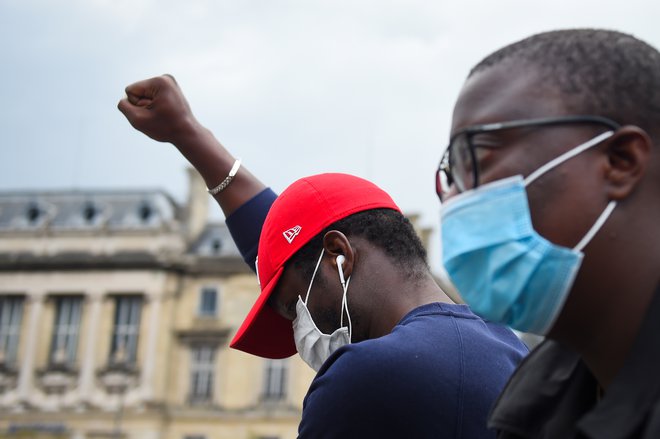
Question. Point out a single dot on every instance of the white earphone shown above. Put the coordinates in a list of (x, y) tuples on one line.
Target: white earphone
[(340, 261), (344, 303)]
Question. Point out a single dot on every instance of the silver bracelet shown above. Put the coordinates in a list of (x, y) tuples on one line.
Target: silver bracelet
[(227, 180)]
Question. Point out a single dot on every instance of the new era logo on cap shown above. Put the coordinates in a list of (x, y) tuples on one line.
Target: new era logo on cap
[(290, 234)]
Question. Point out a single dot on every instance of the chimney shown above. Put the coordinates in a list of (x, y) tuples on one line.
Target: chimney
[(197, 205)]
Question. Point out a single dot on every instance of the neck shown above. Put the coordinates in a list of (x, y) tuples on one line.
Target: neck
[(400, 297), (603, 314)]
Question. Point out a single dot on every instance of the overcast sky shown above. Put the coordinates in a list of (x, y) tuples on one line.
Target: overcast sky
[(292, 87)]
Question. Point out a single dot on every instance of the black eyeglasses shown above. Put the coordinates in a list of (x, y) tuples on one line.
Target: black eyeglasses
[(459, 166)]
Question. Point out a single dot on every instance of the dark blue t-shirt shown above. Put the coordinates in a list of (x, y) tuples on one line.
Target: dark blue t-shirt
[(435, 375)]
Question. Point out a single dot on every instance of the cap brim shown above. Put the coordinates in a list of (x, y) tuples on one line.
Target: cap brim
[(264, 332)]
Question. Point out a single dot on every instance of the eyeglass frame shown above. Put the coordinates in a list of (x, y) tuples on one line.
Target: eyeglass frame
[(471, 131)]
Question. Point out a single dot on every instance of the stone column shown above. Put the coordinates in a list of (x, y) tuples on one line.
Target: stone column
[(147, 376), (87, 364), (26, 374)]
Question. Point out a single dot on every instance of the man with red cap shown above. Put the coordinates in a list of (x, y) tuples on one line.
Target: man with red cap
[(297, 216), (345, 283)]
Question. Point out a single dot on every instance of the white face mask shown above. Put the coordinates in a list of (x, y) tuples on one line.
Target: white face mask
[(313, 345)]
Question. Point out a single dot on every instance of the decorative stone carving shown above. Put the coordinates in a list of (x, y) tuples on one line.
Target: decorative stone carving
[(118, 377), (58, 378)]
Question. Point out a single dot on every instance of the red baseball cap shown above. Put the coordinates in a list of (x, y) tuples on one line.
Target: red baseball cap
[(301, 212)]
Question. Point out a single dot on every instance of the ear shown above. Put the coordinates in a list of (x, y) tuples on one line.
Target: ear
[(628, 154), (336, 244)]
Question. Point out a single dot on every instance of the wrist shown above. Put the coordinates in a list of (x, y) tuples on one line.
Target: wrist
[(227, 180), (205, 153), (189, 133)]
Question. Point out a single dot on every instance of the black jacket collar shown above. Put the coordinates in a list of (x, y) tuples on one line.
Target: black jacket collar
[(635, 389), (552, 393)]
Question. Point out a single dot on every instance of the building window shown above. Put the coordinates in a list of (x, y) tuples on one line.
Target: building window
[(276, 374), (208, 302), (126, 330), (65, 331), (202, 367), (11, 312)]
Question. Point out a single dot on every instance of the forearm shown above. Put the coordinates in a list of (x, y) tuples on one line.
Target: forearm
[(245, 201), (206, 154), (158, 108)]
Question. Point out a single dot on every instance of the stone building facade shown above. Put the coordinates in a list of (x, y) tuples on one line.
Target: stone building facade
[(116, 310)]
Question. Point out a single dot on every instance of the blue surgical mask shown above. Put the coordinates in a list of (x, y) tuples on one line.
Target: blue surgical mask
[(501, 266)]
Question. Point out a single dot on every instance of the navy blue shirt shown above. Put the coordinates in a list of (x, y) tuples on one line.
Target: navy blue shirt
[(435, 375), (245, 224)]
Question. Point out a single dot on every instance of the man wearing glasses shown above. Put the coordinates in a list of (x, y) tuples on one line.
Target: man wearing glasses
[(550, 192)]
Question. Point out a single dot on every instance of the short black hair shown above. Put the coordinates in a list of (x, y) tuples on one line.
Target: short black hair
[(601, 72), (386, 229)]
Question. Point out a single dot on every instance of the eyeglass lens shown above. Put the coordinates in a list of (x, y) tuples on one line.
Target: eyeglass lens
[(461, 162)]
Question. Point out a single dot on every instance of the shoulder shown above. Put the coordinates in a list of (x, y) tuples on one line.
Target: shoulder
[(455, 329), (415, 375), (432, 341), (372, 389)]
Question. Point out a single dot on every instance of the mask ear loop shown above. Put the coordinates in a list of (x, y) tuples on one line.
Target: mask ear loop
[(311, 282), (567, 155), (344, 302), (596, 227), (561, 159)]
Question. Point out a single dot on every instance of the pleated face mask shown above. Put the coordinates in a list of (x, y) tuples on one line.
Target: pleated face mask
[(314, 347), (501, 266)]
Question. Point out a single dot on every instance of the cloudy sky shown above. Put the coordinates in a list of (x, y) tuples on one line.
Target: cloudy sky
[(292, 87)]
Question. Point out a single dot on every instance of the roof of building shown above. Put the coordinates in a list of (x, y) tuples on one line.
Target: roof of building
[(95, 213), (87, 210)]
